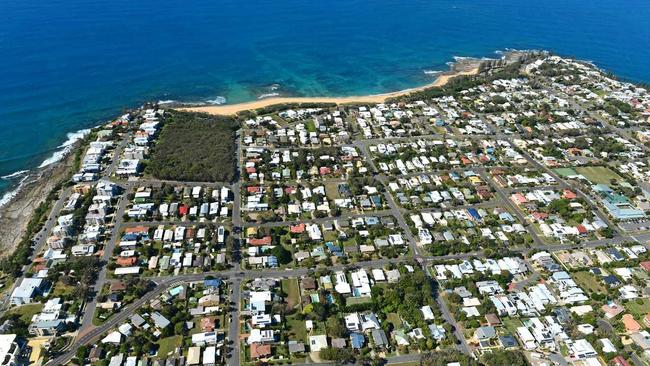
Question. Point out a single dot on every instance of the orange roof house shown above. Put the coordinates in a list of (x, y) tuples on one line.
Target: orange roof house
[(631, 325), (117, 286), (518, 198), (137, 230), (260, 350), (259, 242), (126, 262), (645, 265), (569, 195), (298, 229), (208, 324)]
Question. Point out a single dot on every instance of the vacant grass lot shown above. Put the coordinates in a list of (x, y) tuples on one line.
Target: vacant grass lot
[(599, 174), (167, 345), (26, 312), (290, 287), (589, 282), (638, 307), (195, 147)]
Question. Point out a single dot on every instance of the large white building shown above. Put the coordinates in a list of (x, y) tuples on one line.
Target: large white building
[(9, 350), (24, 293)]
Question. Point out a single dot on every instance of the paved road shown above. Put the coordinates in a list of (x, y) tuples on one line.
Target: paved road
[(233, 329), (40, 239), (90, 334), (89, 309)]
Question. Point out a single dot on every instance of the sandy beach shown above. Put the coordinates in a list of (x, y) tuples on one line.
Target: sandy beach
[(230, 109)]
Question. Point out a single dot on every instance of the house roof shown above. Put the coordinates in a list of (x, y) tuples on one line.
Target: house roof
[(379, 337), (259, 350), (631, 325), (296, 347)]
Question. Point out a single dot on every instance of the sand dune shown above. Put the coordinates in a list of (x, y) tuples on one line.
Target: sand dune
[(230, 109)]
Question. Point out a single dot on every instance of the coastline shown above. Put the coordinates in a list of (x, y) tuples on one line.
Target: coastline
[(459, 68), (37, 185)]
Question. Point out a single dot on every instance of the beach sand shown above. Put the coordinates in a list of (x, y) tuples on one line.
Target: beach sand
[(230, 109), (15, 215)]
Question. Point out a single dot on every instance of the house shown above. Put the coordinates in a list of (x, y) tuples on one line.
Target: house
[(309, 284), (261, 336), (10, 350), (620, 361), (631, 325), (159, 320), (492, 319), (581, 349), (508, 341), (258, 350), (296, 347), (427, 312), (25, 292), (485, 333), (317, 342), (46, 327), (379, 338)]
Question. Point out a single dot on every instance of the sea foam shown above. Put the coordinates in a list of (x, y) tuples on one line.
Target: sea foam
[(216, 101), (14, 174), (7, 197), (65, 148)]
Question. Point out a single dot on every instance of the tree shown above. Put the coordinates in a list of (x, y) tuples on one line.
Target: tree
[(503, 357), (282, 254), (338, 355), (335, 328), (442, 358)]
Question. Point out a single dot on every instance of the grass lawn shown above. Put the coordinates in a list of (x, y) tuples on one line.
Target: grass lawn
[(332, 190), (638, 310), (589, 282), (357, 300), (511, 324), (26, 312), (565, 172), (61, 289), (310, 126), (350, 242), (394, 319), (168, 345), (296, 329), (330, 236), (412, 363), (599, 174), (290, 287)]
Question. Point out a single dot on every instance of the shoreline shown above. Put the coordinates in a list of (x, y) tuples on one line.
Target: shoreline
[(37, 184), (462, 67)]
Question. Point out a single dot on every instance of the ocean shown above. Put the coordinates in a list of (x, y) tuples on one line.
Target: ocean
[(69, 65)]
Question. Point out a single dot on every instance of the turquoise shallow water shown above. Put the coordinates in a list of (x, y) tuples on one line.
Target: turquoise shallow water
[(67, 65)]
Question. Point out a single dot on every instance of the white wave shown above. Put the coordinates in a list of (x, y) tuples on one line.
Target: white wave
[(168, 101), (7, 197), (14, 174), (463, 58), (268, 95), (65, 147), (432, 72), (216, 101)]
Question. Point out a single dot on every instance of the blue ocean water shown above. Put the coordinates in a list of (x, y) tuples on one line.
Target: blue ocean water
[(68, 65)]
